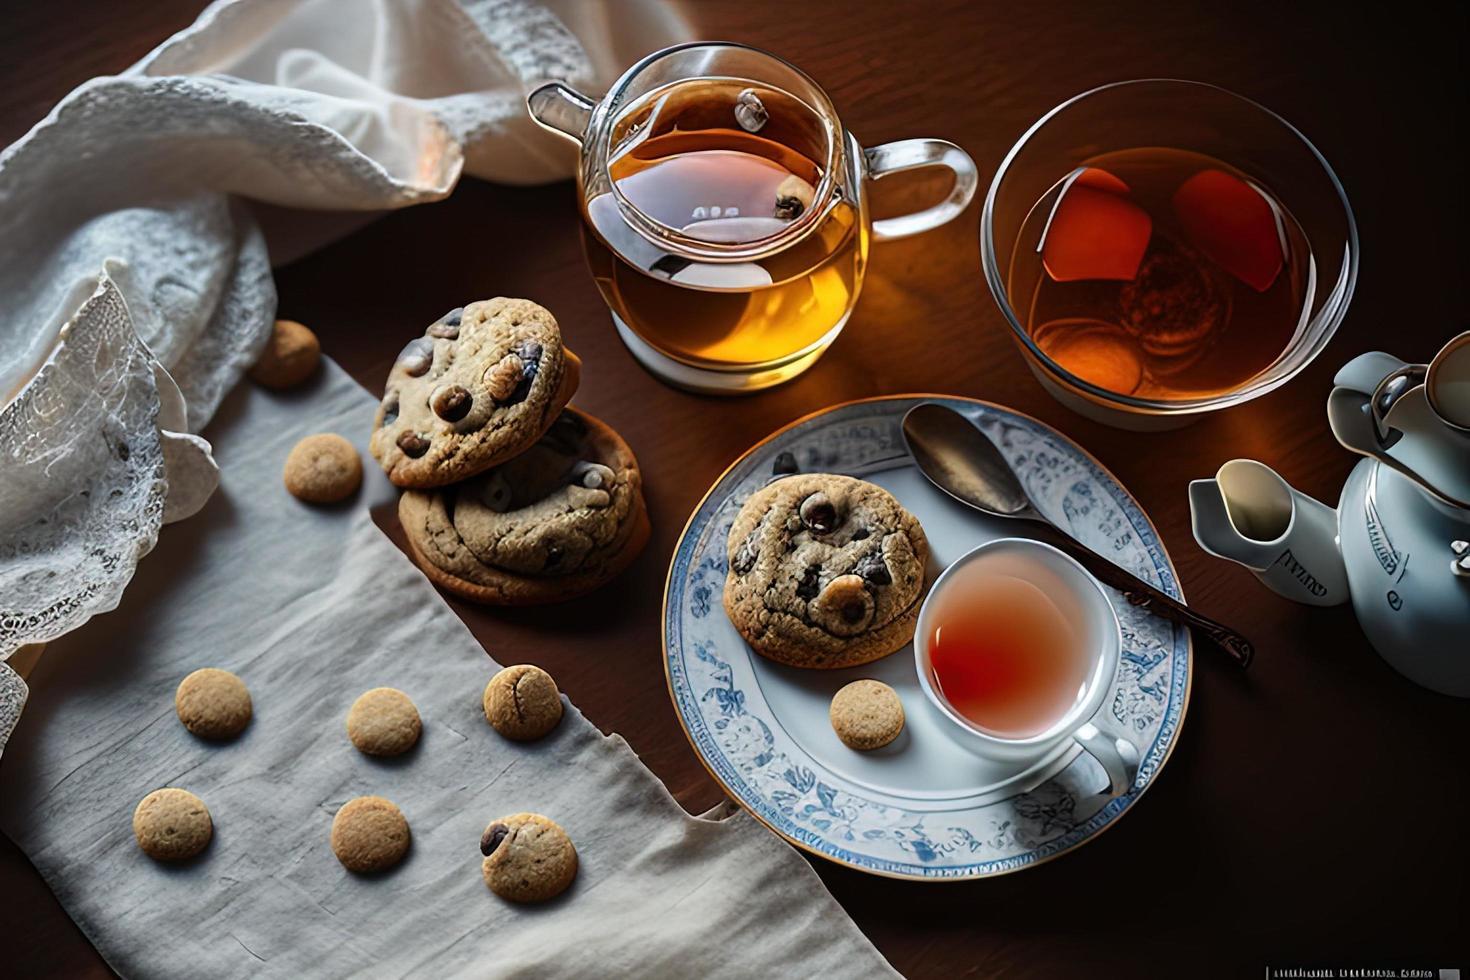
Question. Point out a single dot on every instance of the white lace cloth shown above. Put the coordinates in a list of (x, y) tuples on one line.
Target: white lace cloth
[(135, 284)]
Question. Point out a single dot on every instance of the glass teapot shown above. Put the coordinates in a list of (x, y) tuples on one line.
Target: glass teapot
[(725, 211)]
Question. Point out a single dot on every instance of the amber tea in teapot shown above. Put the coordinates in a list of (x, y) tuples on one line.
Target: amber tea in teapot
[(683, 157), (1161, 273)]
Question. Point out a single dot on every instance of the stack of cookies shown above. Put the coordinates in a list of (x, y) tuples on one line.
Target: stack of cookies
[(511, 497)]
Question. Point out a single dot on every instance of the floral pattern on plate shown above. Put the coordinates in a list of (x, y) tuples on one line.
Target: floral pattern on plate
[(735, 730)]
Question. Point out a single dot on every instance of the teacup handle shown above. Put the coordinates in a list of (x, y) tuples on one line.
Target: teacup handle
[(892, 158), (1118, 757)]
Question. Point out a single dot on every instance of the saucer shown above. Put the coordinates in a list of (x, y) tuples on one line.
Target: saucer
[(921, 807)]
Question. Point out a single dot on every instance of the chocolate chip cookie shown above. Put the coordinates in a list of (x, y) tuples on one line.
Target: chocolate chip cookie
[(557, 521), (480, 386), (825, 571), (528, 858)]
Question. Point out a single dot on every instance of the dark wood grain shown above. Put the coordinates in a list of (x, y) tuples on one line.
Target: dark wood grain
[(1313, 810)]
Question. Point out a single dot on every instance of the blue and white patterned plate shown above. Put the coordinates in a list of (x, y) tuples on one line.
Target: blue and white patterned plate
[(922, 807)]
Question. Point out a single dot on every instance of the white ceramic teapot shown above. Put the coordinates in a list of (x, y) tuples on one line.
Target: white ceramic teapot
[(1399, 543)]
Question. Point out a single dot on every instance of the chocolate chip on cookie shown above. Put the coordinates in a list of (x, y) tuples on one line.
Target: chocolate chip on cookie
[(291, 355), (213, 703), (825, 571), (323, 469), (480, 387), (555, 522), (369, 834), (383, 722), (528, 858), (866, 715), (522, 702), (172, 825)]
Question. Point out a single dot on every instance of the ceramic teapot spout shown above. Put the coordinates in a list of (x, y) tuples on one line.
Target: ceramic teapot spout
[(561, 109), (1250, 515)]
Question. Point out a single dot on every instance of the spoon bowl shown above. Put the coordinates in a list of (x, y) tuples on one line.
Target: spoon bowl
[(957, 458)]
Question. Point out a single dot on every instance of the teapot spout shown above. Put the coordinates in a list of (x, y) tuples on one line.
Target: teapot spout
[(1250, 515), (561, 109)]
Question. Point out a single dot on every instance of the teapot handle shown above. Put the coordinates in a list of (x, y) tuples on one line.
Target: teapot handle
[(1350, 406), (561, 109), (1350, 412), (892, 158)]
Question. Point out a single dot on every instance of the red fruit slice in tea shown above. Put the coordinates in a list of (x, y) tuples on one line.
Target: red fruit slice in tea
[(1095, 232), (1234, 224), (1100, 180)]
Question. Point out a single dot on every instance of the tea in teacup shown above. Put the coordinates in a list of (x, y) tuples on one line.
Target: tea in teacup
[(1006, 646)]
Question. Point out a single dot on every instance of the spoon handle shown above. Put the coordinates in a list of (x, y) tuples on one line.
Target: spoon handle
[(1140, 593)]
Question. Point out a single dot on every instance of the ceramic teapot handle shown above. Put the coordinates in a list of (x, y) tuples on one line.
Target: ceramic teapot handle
[(1350, 406), (892, 158), (1355, 419)]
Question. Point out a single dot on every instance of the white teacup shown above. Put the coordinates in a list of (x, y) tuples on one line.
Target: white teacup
[(1083, 603)]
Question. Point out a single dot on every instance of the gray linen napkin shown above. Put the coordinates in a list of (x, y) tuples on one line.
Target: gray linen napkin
[(312, 607)]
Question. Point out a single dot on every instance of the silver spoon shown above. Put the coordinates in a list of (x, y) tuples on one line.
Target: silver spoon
[(959, 459)]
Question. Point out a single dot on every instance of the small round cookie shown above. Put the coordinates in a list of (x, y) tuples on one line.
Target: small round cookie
[(866, 715), (172, 825), (825, 571), (323, 469), (369, 834), (213, 703), (290, 356), (522, 702), (479, 387), (556, 522), (528, 858), (383, 722)]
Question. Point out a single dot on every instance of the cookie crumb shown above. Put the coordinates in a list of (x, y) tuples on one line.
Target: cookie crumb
[(866, 715), (290, 356), (323, 469), (172, 825), (213, 703), (383, 722), (522, 702), (369, 834)]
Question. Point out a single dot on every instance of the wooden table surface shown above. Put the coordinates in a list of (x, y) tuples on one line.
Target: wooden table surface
[(1314, 810)]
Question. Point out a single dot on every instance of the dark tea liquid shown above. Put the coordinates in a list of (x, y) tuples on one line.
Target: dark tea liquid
[(1161, 273), (1004, 655), (683, 159)]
